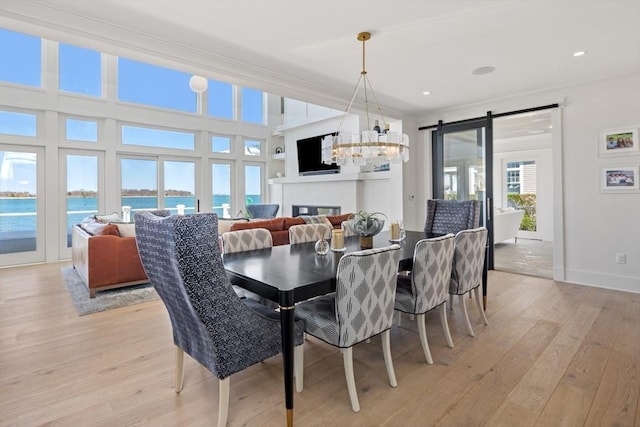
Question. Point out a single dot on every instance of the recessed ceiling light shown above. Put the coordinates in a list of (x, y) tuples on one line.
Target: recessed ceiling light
[(483, 70), (426, 92), (579, 53)]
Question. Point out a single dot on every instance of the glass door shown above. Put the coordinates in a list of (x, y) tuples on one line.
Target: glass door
[(462, 169), (21, 205), (80, 178)]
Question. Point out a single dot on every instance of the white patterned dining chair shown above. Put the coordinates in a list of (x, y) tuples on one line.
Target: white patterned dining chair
[(360, 308), (427, 286), (468, 265), (308, 233), (247, 240)]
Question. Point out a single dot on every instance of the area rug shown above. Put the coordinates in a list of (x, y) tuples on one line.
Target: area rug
[(104, 300)]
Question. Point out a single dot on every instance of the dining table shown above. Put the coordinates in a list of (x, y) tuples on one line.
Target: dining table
[(287, 274)]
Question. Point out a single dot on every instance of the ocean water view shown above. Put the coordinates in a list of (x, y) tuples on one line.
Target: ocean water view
[(19, 213)]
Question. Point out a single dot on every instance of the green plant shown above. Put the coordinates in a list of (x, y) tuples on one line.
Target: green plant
[(367, 223)]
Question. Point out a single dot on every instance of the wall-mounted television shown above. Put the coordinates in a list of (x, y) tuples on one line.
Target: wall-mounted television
[(310, 157)]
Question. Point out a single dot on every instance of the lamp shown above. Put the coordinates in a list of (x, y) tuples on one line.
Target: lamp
[(198, 84), (369, 146)]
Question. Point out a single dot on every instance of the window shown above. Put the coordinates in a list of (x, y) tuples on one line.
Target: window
[(81, 130), (139, 184), (221, 185), (80, 70), (179, 186), (252, 184), (21, 61), (18, 201), (220, 102), (132, 135), (252, 148), (82, 190), (221, 144), (21, 124), (252, 106), (156, 86)]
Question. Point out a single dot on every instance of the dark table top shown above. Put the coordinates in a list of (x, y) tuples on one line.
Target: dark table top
[(288, 274)]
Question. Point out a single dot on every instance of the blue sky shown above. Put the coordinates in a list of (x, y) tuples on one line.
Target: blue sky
[(80, 72)]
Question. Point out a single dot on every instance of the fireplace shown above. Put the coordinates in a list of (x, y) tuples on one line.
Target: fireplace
[(297, 210)]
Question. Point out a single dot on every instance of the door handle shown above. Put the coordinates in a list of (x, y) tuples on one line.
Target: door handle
[(489, 208)]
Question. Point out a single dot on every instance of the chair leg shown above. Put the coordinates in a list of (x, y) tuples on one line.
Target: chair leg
[(422, 332), (445, 324), (223, 403), (347, 356), (463, 303), (179, 368), (298, 366), (479, 304), (386, 351)]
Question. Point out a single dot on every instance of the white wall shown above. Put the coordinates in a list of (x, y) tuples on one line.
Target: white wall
[(596, 226), (351, 189)]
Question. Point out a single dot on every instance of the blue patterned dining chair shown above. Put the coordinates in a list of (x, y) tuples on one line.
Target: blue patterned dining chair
[(308, 233), (223, 333), (451, 216), (427, 286), (468, 265), (361, 307)]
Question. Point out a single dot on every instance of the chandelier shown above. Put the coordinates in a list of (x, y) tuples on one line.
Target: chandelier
[(375, 146)]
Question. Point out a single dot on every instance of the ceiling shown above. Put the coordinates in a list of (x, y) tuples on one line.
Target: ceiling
[(307, 49)]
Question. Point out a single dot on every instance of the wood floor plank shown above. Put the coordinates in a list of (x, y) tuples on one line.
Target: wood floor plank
[(537, 385), (546, 342)]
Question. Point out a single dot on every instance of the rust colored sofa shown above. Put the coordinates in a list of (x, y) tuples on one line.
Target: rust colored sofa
[(107, 260), (279, 227)]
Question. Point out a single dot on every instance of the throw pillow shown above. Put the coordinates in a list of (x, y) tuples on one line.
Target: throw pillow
[(113, 217), (126, 229)]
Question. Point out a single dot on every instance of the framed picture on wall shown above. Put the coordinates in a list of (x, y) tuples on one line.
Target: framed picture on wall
[(619, 179), (619, 142)]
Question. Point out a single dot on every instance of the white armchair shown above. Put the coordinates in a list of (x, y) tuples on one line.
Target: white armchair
[(506, 223)]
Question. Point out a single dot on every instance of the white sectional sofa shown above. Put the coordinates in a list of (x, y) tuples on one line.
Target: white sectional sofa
[(506, 223)]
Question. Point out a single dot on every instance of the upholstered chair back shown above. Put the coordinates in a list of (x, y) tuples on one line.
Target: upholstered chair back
[(430, 276), (265, 211), (468, 260), (182, 259), (308, 233), (246, 240), (365, 293), (451, 216)]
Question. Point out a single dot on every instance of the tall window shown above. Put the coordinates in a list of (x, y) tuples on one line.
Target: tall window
[(179, 186), (139, 184), (221, 185), (80, 70), (133, 135), (18, 204), (220, 100), (82, 190), (252, 184), (252, 106), (156, 86), (20, 58), (22, 124)]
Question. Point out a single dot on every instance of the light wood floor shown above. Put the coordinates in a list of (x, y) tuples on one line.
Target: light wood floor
[(553, 354)]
